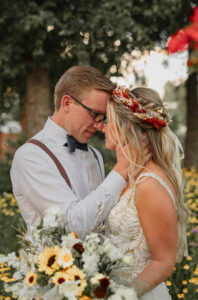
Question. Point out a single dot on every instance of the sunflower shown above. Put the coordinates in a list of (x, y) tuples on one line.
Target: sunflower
[(47, 261), (65, 258), (31, 278), (75, 274), (59, 278)]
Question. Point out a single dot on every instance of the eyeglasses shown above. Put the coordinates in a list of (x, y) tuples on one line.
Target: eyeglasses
[(98, 117)]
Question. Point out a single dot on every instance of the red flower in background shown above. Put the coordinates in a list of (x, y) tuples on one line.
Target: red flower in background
[(194, 16), (184, 38), (178, 42), (192, 32)]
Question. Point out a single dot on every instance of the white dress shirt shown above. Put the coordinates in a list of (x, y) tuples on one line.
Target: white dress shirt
[(38, 185)]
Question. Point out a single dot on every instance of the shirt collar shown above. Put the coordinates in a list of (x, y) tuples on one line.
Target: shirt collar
[(53, 130)]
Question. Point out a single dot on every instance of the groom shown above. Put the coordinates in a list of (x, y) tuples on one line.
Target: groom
[(76, 182)]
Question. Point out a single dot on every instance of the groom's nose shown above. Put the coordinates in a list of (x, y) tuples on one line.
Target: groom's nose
[(99, 125)]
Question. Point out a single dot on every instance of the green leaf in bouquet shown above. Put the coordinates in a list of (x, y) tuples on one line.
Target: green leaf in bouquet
[(42, 279), (40, 226)]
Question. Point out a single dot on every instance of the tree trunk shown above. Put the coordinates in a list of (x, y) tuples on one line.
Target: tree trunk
[(192, 122), (37, 105)]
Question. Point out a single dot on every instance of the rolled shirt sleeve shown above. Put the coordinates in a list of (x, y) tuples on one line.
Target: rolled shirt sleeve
[(37, 185), (91, 211)]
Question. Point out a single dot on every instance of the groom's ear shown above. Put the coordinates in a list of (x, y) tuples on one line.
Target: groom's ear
[(66, 102)]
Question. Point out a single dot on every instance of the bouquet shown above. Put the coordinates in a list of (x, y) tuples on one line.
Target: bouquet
[(57, 265)]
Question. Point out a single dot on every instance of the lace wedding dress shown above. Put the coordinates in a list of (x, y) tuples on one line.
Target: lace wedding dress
[(128, 235)]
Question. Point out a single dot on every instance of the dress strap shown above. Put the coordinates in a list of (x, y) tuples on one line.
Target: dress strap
[(160, 180)]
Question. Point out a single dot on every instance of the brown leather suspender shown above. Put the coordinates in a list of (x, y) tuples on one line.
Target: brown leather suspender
[(57, 162), (96, 157), (54, 158)]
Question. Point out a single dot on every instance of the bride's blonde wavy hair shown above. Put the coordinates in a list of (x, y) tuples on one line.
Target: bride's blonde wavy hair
[(162, 142)]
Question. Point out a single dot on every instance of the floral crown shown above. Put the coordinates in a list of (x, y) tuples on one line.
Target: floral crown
[(146, 115)]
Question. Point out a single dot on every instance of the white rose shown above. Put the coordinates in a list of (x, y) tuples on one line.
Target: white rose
[(107, 248), (90, 263), (127, 293), (114, 253), (52, 216), (96, 278), (68, 241), (69, 289), (128, 259)]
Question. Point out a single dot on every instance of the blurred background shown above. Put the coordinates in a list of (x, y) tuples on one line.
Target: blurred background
[(126, 40)]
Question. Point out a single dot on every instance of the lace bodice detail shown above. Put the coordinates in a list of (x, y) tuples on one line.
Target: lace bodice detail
[(127, 232)]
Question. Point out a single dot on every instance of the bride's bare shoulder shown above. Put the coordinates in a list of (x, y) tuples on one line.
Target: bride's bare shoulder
[(151, 185)]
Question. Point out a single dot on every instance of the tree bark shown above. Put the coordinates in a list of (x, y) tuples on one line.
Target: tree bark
[(37, 105), (191, 159)]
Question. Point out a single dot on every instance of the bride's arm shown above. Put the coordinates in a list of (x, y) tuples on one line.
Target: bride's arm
[(158, 219)]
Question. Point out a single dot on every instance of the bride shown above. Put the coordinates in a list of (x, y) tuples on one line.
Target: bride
[(149, 219)]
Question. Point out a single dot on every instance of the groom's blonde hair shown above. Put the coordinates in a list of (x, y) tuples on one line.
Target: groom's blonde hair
[(78, 79), (161, 141)]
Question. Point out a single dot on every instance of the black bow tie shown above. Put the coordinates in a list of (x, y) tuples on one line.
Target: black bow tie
[(72, 144)]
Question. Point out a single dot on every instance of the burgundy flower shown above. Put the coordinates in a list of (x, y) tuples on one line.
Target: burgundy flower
[(79, 247), (100, 292), (104, 283)]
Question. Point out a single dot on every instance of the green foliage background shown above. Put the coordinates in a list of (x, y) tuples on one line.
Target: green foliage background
[(55, 35)]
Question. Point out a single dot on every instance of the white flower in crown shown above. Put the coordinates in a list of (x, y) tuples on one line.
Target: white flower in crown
[(65, 258), (53, 216)]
